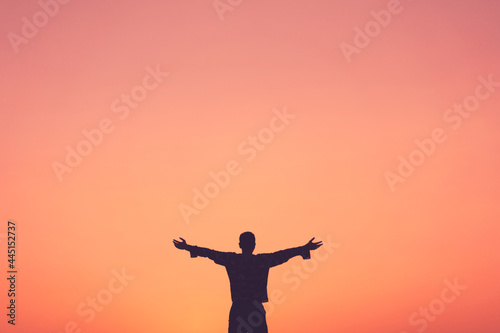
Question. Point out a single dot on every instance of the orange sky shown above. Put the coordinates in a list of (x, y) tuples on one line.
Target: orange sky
[(115, 114)]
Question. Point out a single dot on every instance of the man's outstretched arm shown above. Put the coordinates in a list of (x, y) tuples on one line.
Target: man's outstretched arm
[(195, 251), (280, 257)]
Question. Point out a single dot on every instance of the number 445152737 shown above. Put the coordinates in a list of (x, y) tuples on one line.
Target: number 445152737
[(11, 246)]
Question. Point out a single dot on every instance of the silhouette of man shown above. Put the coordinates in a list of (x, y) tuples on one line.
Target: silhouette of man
[(248, 278)]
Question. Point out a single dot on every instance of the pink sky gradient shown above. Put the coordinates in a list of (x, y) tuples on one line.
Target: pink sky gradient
[(323, 175)]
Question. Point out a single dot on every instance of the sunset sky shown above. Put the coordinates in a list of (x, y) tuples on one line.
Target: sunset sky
[(370, 125)]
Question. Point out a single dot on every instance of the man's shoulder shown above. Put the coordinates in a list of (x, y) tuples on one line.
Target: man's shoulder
[(229, 255)]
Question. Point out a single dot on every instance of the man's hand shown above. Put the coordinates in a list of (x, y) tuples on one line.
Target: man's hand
[(311, 245), (181, 245)]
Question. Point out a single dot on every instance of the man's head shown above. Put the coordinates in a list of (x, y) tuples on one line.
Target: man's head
[(247, 242)]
